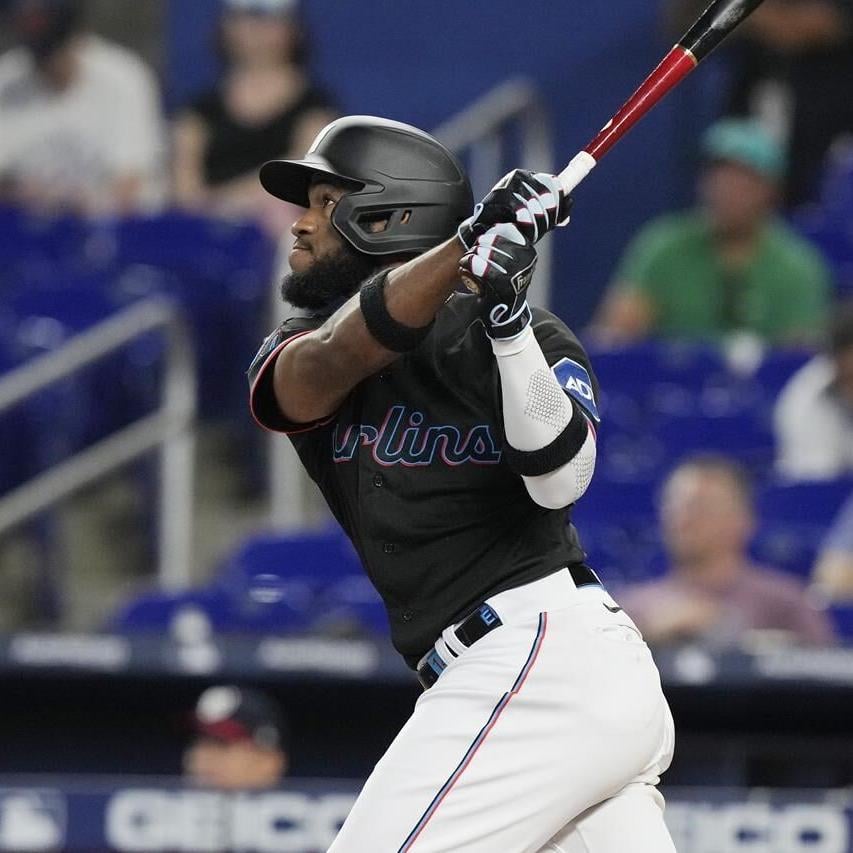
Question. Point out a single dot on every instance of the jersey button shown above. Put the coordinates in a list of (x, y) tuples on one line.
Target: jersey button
[(407, 615), (389, 548), (378, 481)]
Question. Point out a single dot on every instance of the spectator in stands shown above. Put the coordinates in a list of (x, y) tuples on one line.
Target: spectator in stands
[(80, 117), (833, 571), (813, 417), (791, 67), (712, 593), (727, 268), (264, 107), (241, 741)]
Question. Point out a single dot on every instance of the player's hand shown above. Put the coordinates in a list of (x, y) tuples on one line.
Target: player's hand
[(499, 268), (534, 202)]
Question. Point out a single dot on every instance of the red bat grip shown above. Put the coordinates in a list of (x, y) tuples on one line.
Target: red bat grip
[(676, 65)]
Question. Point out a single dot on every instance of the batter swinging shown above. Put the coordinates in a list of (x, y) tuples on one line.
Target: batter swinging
[(449, 433)]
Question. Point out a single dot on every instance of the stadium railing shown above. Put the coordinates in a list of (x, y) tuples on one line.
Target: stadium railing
[(169, 428)]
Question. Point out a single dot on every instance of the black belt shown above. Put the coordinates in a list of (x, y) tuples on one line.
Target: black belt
[(479, 623)]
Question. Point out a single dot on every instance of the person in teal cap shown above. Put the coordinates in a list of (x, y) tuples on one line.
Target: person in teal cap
[(727, 268)]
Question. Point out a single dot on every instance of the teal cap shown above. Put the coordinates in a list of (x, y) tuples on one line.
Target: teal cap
[(746, 143)]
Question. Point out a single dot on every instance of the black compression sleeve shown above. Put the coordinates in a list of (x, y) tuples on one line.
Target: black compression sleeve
[(382, 326)]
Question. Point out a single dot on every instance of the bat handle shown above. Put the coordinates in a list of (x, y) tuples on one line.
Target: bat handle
[(579, 167)]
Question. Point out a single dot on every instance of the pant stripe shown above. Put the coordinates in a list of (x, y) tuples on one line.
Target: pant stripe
[(481, 736)]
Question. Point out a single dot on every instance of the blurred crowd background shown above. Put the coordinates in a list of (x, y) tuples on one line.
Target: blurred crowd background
[(154, 544)]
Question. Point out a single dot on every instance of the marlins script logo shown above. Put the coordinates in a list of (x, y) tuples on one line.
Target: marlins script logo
[(404, 439)]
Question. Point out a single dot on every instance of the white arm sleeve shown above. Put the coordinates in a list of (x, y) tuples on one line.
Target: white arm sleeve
[(536, 410)]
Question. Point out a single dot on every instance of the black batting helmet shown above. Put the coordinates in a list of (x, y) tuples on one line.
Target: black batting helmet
[(397, 173)]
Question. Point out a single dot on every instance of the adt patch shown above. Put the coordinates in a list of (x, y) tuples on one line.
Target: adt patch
[(574, 379)]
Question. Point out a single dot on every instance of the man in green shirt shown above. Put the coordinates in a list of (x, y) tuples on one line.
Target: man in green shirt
[(728, 267)]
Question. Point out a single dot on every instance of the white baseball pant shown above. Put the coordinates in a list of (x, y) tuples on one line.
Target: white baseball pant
[(548, 734)]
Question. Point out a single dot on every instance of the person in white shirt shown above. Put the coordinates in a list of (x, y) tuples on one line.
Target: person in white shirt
[(813, 417), (80, 118), (833, 570)]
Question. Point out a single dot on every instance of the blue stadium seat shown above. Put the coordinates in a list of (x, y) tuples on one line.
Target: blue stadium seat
[(842, 617), (651, 383), (836, 196), (155, 612), (18, 434), (318, 559), (615, 502), (621, 551), (221, 273), (739, 434), (633, 370), (690, 364), (76, 302), (273, 584), (816, 502), (94, 402), (351, 606), (29, 242), (160, 612), (832, 232), (622, 413), (789, 546), (793, 520), (624, 369), (271, 573), (185, 242), (625, 457), (777, 367)]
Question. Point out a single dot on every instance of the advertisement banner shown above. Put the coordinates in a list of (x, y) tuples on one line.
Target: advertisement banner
[(123, 815)]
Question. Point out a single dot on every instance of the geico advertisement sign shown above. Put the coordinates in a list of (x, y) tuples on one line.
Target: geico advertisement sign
[(200, 821), (758, 828)]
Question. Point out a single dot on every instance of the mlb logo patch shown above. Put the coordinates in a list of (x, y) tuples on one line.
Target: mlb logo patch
[(575, 380)]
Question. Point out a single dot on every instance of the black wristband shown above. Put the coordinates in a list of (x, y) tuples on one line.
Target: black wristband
[(564, 448), (381, 325)]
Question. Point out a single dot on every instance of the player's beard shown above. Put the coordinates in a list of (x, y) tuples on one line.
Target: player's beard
[(329, 281)]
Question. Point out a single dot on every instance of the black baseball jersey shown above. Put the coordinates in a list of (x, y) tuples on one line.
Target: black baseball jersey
[(411, 467)]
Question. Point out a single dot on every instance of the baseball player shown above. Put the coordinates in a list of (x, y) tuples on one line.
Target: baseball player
[(449, 433)]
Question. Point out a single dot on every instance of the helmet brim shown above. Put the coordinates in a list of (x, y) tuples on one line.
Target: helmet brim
[(290, 180)]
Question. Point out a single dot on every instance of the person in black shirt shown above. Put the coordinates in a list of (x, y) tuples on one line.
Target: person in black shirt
[(448, 433), (791, 66), (264, 106)]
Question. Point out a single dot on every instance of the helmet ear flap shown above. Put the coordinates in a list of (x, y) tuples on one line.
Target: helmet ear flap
[(342, 218), (391, 228), (362, 225)]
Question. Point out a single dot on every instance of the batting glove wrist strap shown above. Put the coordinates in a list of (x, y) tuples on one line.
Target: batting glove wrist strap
[(501, 326), (564, 448), (387, 331), (533, 202)]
